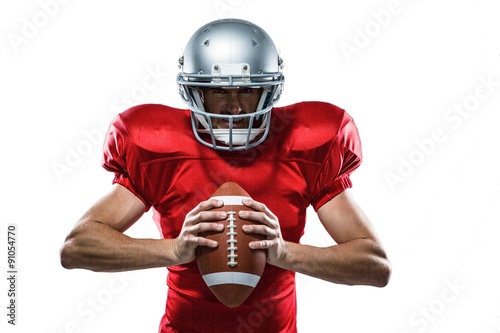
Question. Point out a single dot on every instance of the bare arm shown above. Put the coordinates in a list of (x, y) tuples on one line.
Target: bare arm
[(357, 259), (97, 241)]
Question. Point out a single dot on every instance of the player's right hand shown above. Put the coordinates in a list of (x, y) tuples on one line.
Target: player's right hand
[(200, 219)]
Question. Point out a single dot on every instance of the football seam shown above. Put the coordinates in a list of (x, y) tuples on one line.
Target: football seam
[(232, 241), (232, 248)]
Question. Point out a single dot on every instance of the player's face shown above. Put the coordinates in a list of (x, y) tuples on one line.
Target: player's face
[(230, 101)]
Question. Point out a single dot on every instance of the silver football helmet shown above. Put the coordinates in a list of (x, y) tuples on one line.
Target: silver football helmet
[(230, 53)]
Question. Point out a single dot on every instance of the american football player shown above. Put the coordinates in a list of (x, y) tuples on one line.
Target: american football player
[(287, 158)]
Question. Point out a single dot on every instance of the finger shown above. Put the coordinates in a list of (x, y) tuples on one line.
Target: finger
[(206, 205), (259, 229), (253, 204), (205, 216), (201, 241), (206, 227), (257, 217), (211, 216), (191, 241), (190, 234), (258, 206), (261, 245)]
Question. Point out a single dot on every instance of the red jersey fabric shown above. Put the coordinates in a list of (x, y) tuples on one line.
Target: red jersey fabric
[(307, 159)]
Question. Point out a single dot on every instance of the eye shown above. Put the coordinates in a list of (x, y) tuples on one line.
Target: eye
[(248, 90), (218, 91)]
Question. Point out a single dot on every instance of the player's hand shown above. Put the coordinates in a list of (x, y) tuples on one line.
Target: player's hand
[(200, 219), (268, 226)]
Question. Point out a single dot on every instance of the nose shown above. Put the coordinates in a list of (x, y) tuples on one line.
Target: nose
[(233, 104)]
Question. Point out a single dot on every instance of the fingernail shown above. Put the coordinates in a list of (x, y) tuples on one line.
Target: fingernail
[(243, 213), (222, 215)]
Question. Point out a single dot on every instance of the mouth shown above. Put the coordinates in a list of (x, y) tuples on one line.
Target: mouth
[(237, 123)]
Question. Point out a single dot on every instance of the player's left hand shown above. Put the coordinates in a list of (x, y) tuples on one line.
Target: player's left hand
[(268, 226)]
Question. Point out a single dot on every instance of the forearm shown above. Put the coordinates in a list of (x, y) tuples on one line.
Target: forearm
[(357, 262), (98, 247)]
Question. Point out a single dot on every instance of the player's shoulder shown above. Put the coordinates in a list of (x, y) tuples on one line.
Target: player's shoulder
[(152, 126), (145, 113), (319, 106), (315, 116), (152, 117), (312, 124), (316, 113)]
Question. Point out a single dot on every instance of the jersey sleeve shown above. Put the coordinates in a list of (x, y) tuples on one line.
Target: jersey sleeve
[(344, 157), (120, 156)]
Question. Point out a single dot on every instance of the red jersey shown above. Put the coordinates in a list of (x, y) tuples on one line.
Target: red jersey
[(307, 158)]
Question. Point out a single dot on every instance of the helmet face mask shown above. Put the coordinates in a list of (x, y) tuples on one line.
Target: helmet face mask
[(228, 54)]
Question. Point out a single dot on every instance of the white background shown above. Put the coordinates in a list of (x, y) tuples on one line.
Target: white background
[(402, 69)]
